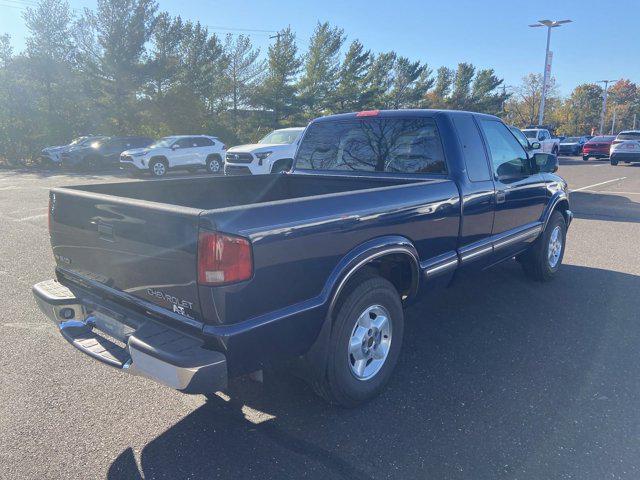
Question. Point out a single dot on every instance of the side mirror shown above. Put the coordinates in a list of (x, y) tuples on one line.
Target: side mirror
[(175, 146), (535, 145), (546, 162)]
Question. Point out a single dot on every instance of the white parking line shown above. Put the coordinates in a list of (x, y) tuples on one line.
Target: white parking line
[(613, 192), (597, 184), (32, 217)]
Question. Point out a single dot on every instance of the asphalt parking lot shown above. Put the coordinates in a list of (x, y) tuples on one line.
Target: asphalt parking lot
[(499, 378)]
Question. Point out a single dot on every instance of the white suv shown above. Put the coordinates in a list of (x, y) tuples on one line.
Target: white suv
[(189, 152), (273, 154), (625, 148)]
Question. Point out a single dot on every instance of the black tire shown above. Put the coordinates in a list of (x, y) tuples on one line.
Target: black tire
[(585, 158), (555, 151), (214, 164), (536, 261), (156, 170), (339, 385), (613, 161)]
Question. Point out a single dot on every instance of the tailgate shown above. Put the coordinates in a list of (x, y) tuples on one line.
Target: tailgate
[(145, 249)]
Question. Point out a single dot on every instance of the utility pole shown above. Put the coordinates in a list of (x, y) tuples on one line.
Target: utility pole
[(547, 61), (613, 122), (634, 121), (604, 102)]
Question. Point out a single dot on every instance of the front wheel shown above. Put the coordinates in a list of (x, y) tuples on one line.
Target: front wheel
[(585, 158), (214, 165), (613, 161), (544, 258), (158, 168), (364, 345)]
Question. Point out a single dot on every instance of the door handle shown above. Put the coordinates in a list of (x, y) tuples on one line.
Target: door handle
[(501, 196)]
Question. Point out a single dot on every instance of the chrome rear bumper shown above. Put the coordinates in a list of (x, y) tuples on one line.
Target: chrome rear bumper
[(146, 348)]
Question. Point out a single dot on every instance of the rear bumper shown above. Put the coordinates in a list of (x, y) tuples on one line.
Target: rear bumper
[(595, 154), (626, 156), (136, 345)]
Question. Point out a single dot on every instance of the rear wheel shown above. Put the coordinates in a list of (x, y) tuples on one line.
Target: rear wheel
[(158, 168), (214, 164), (585, 157), (544, 258), (364, 345)]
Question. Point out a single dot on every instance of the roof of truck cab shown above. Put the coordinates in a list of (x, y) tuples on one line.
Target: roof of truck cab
[(404, 113)]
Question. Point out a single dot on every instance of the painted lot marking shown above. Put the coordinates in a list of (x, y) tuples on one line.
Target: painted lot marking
[(597, 184), (612, 192)]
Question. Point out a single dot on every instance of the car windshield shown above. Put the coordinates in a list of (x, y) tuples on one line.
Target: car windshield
[(602, 138), (163, 142), (78, 141), (281, 136), (571, 140), (628, 136), (531, 133)]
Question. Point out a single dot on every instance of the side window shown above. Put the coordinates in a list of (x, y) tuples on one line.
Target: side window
[(185, 143), (475, 157), (203, 142), (508, 158)]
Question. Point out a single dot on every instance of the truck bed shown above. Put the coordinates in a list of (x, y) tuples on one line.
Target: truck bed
[(224, 192)]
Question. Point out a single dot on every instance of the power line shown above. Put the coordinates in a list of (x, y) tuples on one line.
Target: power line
[(237, 29)]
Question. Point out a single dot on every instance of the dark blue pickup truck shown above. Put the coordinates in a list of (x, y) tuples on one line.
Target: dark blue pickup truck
[(192, 281)]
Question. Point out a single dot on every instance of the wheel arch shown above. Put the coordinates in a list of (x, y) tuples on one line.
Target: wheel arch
[(560, 203), (376, 256), (394, 258), (160, 158)]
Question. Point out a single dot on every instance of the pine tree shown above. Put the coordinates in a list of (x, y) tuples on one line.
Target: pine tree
[(278, 90)]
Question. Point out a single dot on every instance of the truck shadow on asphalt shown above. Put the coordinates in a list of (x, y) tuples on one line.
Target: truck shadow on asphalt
[(605, 206), (499, 377)]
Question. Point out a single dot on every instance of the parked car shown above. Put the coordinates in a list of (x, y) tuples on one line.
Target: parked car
[(102, 153), (597, 147), (53, 155), (192, 281), (273, 154), (524, 141), (572, 145), (625, 147), (187, 152), (547, 143)]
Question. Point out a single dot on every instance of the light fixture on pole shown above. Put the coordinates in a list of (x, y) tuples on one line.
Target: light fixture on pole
[(547, 60), (604, 102)]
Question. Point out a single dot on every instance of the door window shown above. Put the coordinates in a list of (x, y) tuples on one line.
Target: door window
[(203, 142), (508, 158), (185, 143), (475, 157)]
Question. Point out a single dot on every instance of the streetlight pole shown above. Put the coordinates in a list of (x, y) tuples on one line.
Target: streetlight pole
[(604, 102), (547, 61)]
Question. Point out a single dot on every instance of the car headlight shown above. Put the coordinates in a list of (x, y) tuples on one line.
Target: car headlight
[(261, 156)]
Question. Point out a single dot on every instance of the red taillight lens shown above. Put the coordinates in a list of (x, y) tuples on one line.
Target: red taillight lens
[(223, 259), (368, 113)]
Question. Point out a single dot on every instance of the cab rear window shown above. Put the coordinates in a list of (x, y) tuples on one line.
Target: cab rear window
[(395, 145)]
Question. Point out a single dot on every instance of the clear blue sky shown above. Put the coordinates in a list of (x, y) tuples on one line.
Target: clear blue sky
[(602, 42)]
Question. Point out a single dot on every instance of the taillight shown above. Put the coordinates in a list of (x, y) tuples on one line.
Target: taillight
[(223, 259)]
